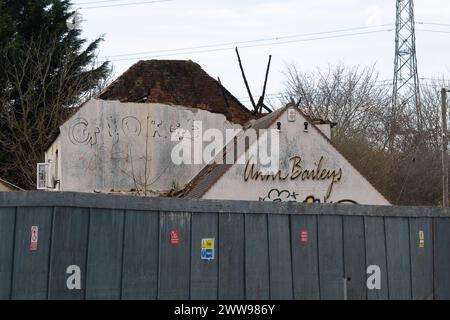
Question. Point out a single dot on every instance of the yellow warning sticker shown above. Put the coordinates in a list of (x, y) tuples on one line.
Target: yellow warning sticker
[(421, 239), (207, 243)]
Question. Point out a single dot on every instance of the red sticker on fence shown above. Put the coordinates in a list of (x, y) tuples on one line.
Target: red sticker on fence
[(304, 237), (34, 238), (174, 237)]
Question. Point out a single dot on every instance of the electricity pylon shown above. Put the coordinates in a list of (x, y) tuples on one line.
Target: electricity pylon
[(406, 95)]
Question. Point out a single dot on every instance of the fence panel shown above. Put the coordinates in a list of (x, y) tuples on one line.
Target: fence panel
[(88, 246), (398, 258), (280, 257), (257, 276), (174, 256), (355, 258), (31, 264), (331, 264), (442, 259), (204, 271), (421, 258), (231, 259), (305, 266), (69, 248), (105, 249), (7, 226), (140, 256), (376, 255)]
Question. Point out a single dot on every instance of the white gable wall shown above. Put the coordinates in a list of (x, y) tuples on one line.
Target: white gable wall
[(310, 146), (4, 187), (53, 156), (103, 146)]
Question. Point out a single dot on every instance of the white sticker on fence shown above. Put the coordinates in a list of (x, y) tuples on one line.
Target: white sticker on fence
[(34, 238)]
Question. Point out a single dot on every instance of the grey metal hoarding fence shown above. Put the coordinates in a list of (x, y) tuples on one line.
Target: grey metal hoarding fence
[(151, 248)]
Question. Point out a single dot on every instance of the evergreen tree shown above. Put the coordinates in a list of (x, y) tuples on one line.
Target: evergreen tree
[(46, 69)]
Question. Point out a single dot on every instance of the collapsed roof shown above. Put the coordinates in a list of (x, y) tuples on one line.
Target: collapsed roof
[(177, 82)]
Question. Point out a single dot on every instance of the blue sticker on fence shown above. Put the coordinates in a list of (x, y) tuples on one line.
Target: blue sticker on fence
[(207, 252)]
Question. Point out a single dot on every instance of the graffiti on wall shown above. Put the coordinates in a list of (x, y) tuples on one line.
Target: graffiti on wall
[(131, 126), (101, 156), (113, 130), (311, 199), (277, 195), (128, 126), (81, 132), (128, 150), (112, 150)]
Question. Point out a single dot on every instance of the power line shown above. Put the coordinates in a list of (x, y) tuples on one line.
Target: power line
[(434, 31), (430, 85), (123, 4), (434, 24), (432, 79), (179, 51), (256, 45), (252, 41), (425, 82), (386, 82), (268, 95), (94, 2)]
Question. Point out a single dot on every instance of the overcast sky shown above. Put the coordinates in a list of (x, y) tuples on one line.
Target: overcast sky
[(145, 28)]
